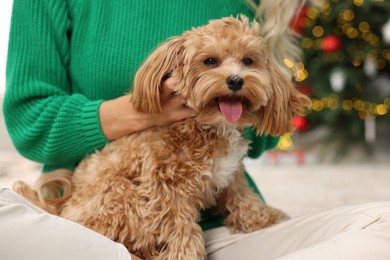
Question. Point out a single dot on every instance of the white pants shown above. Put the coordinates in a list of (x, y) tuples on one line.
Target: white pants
[(354, 232)]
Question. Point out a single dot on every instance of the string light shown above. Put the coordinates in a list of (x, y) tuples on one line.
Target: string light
[(345, 27), (301, 75), (364, 108), (285, 142), (358, 105), (317, 105), (333, 104), (307, 43), (352, 33), (298, 69), (358, 2), (382, 109), (347, 105), (356, 63), (364, 27), (318, 31), (312, 13), (288, 63), (348, 15)]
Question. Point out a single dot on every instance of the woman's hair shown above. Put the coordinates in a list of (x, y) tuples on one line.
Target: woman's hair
[(275, 17)]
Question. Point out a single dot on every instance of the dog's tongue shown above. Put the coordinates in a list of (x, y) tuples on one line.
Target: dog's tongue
[(231, 109)]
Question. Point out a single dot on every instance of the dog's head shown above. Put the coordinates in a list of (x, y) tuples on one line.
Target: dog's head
[(225, 74)]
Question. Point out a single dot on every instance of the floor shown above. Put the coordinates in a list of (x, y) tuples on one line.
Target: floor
[(304, 189)]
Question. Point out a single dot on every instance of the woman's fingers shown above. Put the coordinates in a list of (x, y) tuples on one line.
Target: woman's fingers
[(168, 89)]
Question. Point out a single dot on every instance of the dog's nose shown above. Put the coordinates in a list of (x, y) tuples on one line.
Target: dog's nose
[(235, 82)]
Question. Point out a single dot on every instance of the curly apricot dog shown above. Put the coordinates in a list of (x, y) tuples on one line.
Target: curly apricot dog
[(146, 190)]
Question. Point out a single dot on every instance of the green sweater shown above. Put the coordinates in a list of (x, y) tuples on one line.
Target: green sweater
[(66, 57)]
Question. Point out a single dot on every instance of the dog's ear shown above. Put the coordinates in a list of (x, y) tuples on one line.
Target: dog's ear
[(145, 94), (276, 117)]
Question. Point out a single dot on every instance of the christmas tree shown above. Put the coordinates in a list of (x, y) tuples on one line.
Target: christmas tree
[(346, 66)]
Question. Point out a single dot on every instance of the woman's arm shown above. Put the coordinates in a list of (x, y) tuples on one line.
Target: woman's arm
[(47, 123)]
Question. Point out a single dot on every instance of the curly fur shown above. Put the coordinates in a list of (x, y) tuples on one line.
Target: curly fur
[(146, 190)]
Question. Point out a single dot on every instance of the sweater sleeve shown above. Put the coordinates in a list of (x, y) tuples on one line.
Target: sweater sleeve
[(259, 143), (45, 120)]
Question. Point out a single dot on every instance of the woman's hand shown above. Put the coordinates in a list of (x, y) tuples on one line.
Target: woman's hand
[(172, 105), (119, 118)]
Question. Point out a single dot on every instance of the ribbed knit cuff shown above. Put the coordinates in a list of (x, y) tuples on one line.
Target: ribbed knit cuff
[(259, 144), (94, 137)]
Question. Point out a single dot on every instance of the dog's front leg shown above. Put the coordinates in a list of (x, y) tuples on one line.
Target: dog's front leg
[(245, 211), (180, 235)]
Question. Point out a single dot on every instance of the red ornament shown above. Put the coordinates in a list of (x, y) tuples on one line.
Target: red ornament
[(305, 89), (297, 23), (331, 43), (300, 123)]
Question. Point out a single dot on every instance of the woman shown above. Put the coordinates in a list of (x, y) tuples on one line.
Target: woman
[(69, 64)]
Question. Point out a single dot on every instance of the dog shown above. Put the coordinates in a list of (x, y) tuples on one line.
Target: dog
[(147, 190)]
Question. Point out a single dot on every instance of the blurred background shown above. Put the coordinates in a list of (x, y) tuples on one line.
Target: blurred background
[(346, 71), (340, 151)]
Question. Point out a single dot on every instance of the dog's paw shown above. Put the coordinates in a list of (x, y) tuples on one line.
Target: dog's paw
[(254, 219), (184, 248)]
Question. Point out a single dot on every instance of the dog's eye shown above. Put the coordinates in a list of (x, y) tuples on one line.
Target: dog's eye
[(247, 61), (211, 62)]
